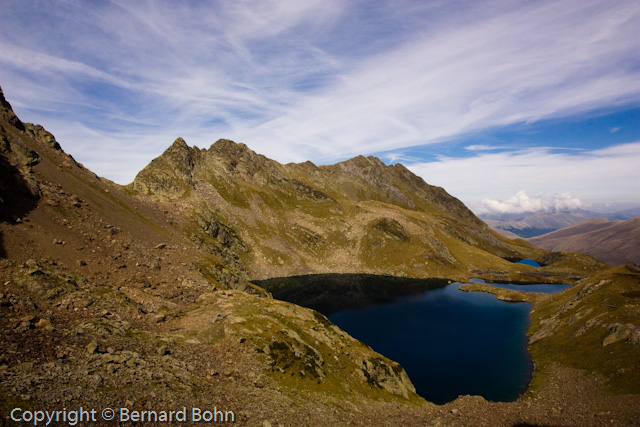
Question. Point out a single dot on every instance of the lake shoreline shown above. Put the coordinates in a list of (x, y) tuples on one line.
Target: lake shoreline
[(507, 295)]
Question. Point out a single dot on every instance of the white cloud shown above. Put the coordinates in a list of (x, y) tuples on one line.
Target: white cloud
[(522, 202), (45, 64)]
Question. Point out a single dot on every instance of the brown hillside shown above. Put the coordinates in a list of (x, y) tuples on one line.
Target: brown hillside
[(613, 242)]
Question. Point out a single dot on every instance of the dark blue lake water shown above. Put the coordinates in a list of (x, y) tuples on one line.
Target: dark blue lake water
[(450, 342), (534, 287)]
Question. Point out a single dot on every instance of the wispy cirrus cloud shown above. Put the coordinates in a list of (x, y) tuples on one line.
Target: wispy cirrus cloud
[(318, 80), (538, 61)]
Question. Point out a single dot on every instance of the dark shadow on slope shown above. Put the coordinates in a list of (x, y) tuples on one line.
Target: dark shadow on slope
[(18, 196), (330, 293)]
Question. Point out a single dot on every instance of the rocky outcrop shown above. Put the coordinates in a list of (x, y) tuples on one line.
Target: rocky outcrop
[(301, 343), (42, 135), (618, 331), (171, 173), (391, 228), (390, 377)]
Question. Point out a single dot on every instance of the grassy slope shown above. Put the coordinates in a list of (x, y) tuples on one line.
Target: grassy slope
[(571, 327)]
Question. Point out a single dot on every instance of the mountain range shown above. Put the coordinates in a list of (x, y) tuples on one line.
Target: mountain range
[(142, 296), (532, 224), (358, 216)]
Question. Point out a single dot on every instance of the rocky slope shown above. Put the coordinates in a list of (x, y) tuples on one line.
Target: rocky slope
[(613, 242), (593, 326)]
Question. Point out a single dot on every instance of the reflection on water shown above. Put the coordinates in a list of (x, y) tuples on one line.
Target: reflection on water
[(328, 293)]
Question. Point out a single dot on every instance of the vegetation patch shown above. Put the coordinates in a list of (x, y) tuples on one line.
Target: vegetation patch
[(295, 359)]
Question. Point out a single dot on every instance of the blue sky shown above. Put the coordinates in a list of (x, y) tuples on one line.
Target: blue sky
[(508, 105)]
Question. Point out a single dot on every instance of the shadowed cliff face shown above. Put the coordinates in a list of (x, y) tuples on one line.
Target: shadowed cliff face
[(7, 114), (19, 190), (357, 216)]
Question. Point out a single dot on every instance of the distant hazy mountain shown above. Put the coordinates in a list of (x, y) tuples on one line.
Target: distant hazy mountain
[(614, 242), (624, 214), (531, 224)]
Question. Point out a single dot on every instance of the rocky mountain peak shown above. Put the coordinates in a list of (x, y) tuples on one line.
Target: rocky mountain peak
[(361, 162), (298, 218), (179, 143), (227, 146), (181, 155), (171, 173), (235, 152), (238, 160), (180, 159)]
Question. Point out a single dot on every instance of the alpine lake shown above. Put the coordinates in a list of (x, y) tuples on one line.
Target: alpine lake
[(451, 343)]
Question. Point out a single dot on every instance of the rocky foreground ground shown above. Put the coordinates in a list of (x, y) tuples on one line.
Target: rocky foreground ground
[(68, 342)]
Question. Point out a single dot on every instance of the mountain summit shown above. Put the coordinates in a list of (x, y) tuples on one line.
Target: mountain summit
[(357, 216)]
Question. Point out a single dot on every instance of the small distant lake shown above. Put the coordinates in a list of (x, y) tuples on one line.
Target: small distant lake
[(450, 342), (529, 261)]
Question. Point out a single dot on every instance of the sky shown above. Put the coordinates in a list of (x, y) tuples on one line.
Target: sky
[(511, 106)]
